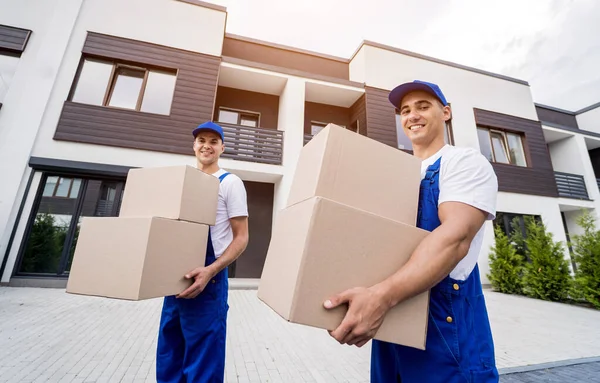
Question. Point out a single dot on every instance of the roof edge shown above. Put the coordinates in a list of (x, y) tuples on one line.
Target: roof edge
[(555, 109), (205, 5), (285, 47), (438, 61), (588, 108)]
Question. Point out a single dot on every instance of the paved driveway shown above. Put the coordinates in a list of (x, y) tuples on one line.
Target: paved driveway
[(48, 335)]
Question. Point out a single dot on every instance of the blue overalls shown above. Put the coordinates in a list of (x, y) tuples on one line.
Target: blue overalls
[(192, 332), (459, 346)]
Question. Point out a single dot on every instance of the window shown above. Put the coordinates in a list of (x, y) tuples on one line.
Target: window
[(62, 187), (53, 227), (123, 86), (237, 117), (8, 67), (502, 147)]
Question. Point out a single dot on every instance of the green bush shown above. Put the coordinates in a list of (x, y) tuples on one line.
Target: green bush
[(547, 272), (587, 258), (506, 265)]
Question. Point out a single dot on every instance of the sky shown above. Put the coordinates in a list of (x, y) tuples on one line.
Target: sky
[(552, 44)]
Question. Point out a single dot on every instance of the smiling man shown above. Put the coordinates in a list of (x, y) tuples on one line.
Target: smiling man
[(191, 339), (457, 195)]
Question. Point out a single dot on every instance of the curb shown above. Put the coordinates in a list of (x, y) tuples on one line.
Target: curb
[(543, 366)]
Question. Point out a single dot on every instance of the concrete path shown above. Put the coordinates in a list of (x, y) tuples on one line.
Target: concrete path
[(47, 335)]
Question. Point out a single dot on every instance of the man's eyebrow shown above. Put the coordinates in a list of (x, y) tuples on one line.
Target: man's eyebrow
[(420, 102)]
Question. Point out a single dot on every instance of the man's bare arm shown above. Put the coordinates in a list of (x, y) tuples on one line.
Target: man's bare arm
[(239, 226)]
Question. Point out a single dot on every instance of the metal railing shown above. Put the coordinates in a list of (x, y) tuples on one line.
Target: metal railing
[(245, 143), (571, 185)]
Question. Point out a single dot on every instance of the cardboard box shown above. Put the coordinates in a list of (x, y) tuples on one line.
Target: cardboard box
[(320, 247), (136, 258), (176, 192), (355, 170)]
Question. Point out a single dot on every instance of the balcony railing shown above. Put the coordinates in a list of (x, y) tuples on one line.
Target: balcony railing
[(571, 185), (245, 143)]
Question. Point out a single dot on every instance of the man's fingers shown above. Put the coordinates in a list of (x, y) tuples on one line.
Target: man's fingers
[(190, 292), (362, 343), (338, 299)]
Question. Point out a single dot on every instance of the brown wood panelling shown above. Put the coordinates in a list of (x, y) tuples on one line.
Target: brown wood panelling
[(358, 112), (13, 39), (325, 113), (193, 100), (538, 177), (265, 104), (381, 119), (556, 117), (260, 211), (286, 57)]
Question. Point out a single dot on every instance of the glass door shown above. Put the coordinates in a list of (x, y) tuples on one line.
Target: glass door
[(51, 235)]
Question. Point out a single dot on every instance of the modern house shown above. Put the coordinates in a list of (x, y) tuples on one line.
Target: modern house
[(92, 88)]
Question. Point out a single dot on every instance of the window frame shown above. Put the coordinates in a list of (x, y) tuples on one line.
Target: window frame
[(505, 145), (116, 64), (240, 113), (68, 196)]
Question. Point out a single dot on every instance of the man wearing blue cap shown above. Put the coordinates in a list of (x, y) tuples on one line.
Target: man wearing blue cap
[(457, 195), (192, 332)]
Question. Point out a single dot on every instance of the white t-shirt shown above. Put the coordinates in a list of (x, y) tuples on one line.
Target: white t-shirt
[(466, 176), (232, 203)]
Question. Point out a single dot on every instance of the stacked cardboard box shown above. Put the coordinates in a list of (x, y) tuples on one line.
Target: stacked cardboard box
[(349, 222), (160, 235)]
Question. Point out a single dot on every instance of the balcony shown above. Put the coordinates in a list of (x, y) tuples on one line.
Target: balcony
[(260, 145), (571, 186)]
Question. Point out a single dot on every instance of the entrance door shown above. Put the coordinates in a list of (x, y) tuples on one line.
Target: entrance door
[(51, 235)]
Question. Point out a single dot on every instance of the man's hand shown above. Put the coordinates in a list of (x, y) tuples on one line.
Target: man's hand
[(366, 310), (201, 276)]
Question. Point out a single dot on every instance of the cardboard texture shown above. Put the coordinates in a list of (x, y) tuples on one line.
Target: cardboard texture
[(176, 192), (334, 165), (136, 258), (320, 247)]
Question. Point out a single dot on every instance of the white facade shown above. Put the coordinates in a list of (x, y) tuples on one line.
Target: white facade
[(44, 76)]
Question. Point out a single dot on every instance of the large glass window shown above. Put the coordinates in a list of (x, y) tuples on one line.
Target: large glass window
[(105, 83), (54, 226), (501, 147)]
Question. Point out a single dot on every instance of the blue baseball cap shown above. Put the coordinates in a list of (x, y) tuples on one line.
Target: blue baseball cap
[(402, 90), (210, 126)]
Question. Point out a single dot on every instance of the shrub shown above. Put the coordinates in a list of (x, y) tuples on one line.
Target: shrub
[(547, 272)]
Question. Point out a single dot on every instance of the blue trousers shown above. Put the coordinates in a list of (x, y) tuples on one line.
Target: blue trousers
[(192, 333)]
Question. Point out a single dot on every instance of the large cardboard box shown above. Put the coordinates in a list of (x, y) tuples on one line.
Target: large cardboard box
[(358, 171), (136, 258), (320, 247), (176, 192)]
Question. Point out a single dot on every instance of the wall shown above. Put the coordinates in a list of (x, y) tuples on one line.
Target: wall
[(26, 101), (464, 89), (589, 120), (565, 156), (272, 54), (265, 104), (381, 117), (193, 99), (556, 118), (325, 113), (537, 178), (179, 29)]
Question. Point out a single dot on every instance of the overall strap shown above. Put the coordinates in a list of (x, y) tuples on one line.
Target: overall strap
[(222, 176), (433, 170)]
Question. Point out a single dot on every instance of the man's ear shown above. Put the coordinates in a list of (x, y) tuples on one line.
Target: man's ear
[(447, 113)]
